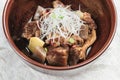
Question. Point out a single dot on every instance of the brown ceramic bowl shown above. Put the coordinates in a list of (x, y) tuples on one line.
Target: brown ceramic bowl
[(15, 16)]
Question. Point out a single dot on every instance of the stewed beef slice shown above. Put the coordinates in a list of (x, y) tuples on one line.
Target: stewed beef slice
[(89, 20), (31, 29), (57, 56), (84, 32), (76, 54)]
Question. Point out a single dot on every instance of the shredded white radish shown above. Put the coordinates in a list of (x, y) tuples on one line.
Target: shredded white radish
[(61, 22)]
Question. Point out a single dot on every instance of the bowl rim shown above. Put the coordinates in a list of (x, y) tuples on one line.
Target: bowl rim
[(33, 62)]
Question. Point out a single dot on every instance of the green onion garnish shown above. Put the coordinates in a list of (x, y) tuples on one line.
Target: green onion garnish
[(53, 15), (61, 17), (71, 40)]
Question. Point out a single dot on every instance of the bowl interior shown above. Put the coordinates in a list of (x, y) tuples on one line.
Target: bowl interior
[(102, 12)]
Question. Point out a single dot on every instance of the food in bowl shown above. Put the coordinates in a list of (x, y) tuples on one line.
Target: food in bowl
[(60, 36)]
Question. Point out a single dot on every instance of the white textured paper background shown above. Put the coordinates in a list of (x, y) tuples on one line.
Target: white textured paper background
[(105, 67)]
